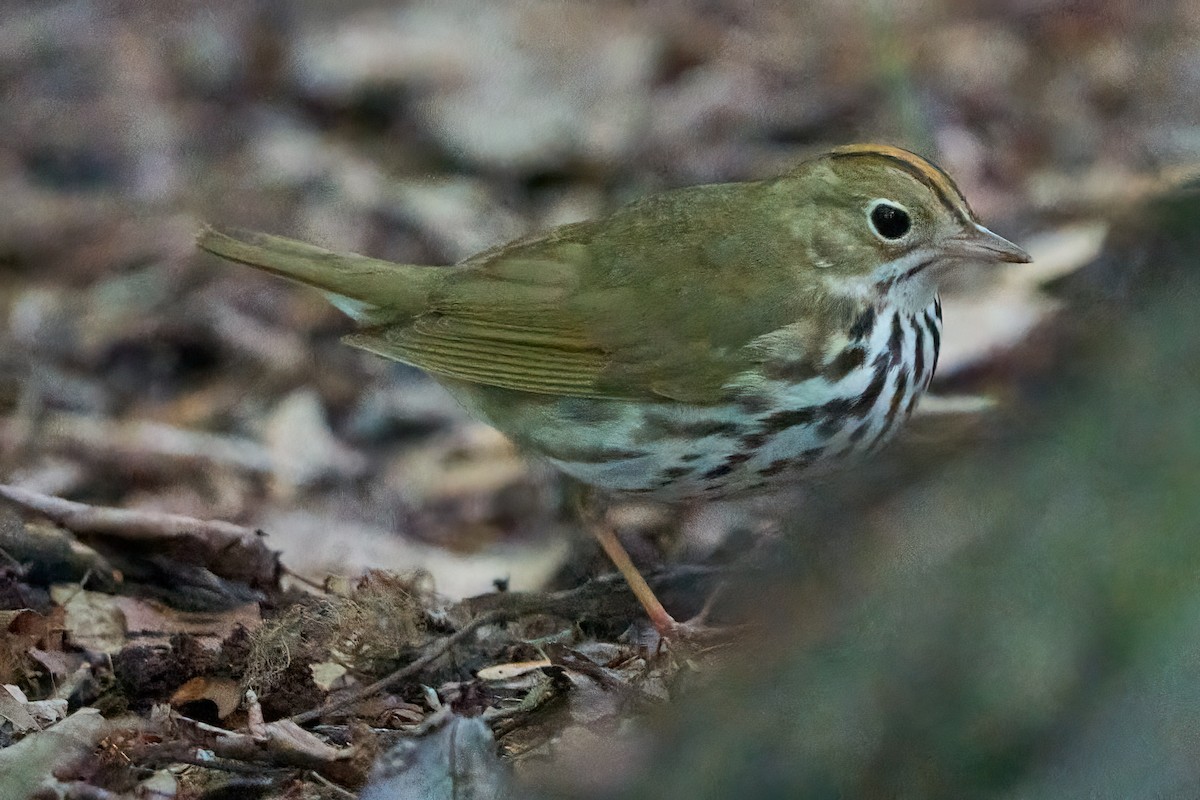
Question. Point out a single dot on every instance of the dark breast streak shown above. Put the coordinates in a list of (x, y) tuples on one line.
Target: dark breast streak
[(914, 369), (901, 358), (780, 430)]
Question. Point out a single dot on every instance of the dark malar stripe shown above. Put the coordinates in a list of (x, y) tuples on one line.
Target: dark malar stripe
[(863, 325), (887, 284), (914, 270), (918, 351)]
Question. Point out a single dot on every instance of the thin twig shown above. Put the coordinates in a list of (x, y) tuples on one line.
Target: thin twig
[(316, 586), (12, 562), (600, 596), (435, 651), (212, 762), (514, 606), (328, 784)]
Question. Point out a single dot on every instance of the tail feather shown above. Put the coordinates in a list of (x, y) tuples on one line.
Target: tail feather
[(370, 290)]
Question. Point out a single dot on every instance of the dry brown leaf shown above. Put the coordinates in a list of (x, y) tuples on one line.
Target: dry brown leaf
[(228, 550), (60, 665), (101, 622), (153, 621), (224, 693)]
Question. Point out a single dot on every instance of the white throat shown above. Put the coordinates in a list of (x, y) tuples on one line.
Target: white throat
[(915, 294), (907, 282)]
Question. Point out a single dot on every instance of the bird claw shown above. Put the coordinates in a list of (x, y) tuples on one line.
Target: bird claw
[(686, 639)]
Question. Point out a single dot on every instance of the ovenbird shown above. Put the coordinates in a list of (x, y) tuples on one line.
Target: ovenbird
[(705, 342)]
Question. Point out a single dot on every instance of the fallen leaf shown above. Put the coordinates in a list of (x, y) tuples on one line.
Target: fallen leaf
[(224, 693), (93, 619), (505, 672), (12, 708), (27, 763), (457, 761), (102, 623), (60, 665), (357, 548), (303, 449), (43, 712), (327, 674), (282, 743), (154, 622)]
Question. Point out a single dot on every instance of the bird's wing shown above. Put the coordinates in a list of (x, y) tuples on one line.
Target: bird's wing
[(643, 305), (504, 320)]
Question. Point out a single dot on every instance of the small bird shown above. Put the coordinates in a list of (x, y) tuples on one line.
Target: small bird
[(703, 343)]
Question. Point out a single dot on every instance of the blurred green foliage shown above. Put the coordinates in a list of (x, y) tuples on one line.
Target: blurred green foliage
[(1026, 623)]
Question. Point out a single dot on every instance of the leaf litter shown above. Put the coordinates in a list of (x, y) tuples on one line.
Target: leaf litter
[(213, 510)]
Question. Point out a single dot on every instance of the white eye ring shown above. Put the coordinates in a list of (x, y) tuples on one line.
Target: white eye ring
[(877, 221)]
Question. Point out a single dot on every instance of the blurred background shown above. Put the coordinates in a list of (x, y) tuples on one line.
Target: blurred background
[(985, 627)]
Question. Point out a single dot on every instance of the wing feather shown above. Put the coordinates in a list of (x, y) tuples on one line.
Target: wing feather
[(619, 310)]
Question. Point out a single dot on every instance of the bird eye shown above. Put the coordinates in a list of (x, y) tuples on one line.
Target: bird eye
[(889, 220)]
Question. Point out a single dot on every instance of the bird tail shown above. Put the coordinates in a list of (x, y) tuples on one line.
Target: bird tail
[(370, 290)]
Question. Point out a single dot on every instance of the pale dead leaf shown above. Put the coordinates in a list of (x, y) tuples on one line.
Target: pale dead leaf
[(303, 448), (27, 763), (162, 785), (93, 620), (327, 674), (43, 712), (285, 737), (505, 672), (456, 761), (48, 712), (12, 708), (60, 665), (283, 743), (254, 716), (356, 548), (100, 622)]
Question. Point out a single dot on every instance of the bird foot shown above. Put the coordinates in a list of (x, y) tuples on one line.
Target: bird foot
[(691, 637)]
